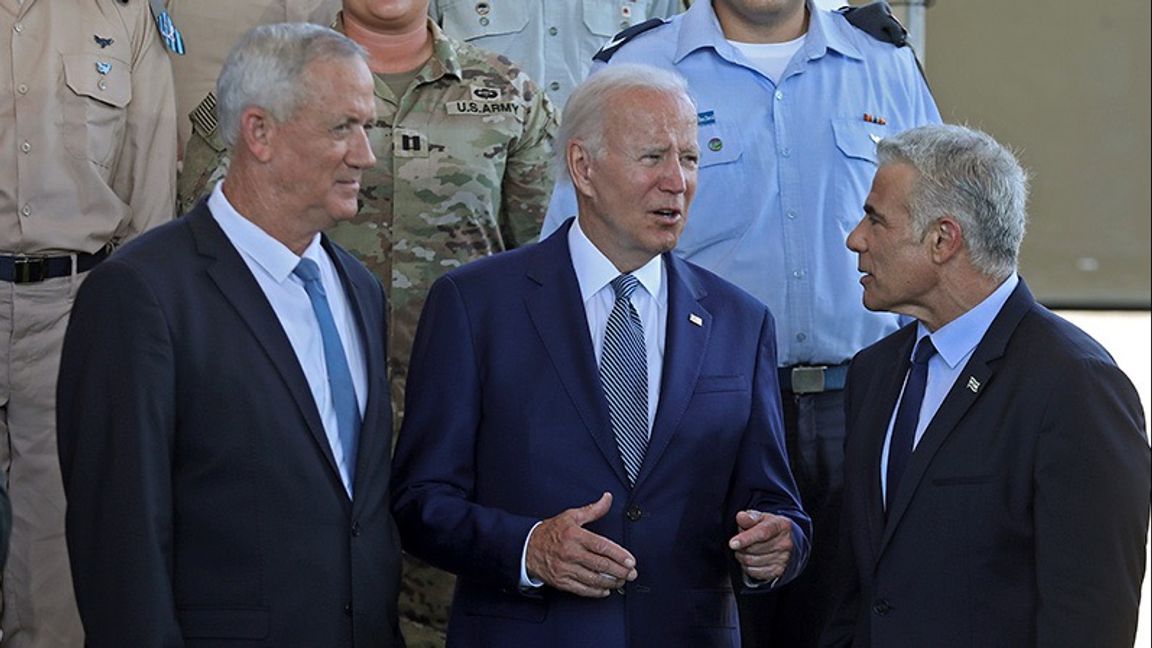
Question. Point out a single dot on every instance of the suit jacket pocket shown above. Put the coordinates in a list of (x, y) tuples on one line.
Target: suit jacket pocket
[(709, 384), (491, 602), (712, 608), (963, 480), (202, 623)]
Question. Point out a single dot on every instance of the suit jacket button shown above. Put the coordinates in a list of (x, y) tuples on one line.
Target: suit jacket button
[(881, 607), (355, 528), (348, 609), (633, 513)]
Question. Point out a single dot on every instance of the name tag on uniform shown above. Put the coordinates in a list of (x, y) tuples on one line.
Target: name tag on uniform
[(472, 107)]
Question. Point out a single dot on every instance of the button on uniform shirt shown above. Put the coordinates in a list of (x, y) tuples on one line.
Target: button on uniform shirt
[(87, 125), (785, 168), (553, 39), (271, 263), (955, 342), (463, 171)]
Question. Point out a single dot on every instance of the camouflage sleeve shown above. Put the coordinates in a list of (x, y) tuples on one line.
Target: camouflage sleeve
[(205, 162), (528, 173)]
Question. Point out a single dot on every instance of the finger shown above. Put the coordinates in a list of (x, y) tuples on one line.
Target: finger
[(594, 511), (748, 519), (769, 529), (605, 549), (775, 559)]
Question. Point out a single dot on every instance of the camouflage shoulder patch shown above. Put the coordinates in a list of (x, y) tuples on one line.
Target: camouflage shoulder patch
[(605, 54)]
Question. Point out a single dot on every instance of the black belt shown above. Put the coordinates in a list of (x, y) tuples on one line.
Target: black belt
[(31, 269), (800, 379)]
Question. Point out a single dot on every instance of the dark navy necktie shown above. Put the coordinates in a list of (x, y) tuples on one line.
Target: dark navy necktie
[(624, 374), (908, 416), (343, 393)]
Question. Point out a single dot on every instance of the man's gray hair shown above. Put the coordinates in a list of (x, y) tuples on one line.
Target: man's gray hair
[(584, 113), (967, 175), (265, 69)]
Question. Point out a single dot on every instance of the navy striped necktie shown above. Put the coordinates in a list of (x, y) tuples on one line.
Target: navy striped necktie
[(624, 374)]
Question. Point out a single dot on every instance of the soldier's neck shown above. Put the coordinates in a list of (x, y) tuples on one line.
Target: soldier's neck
[(394, 51)]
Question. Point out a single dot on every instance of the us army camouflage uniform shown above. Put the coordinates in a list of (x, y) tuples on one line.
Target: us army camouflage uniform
[(462, 172)]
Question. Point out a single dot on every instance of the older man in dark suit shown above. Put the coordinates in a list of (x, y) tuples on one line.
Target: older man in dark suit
[(223, 407), (593, 438), (997, 471)]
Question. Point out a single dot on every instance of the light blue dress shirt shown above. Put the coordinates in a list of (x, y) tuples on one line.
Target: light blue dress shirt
[(553, 40), (955, 342), (271, 264), (785, 169)]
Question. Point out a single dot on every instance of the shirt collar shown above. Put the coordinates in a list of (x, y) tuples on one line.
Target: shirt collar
[(594, 271), (268, 253), (700, 28), (444, 61), (956, 339)]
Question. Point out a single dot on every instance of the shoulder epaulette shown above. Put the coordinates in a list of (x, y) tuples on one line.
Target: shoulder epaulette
[(876, 20), (606, 52), (203, 116)]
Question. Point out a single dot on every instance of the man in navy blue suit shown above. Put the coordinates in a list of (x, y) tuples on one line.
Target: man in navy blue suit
[(593, 438), (224, 413), (997, 462)]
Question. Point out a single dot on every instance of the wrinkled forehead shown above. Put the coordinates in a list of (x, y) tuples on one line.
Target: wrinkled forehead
[(650, 114)]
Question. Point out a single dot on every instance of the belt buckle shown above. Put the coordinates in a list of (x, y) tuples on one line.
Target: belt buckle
[(28, 269), (808, 380)]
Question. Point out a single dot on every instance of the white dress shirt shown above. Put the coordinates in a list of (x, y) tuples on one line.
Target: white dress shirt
[(272, 263), (594, 273)]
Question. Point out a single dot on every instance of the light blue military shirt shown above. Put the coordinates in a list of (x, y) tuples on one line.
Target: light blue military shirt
[(785, 169), (553, 40)]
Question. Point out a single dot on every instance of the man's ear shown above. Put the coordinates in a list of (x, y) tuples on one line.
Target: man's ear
[(947, 237), (257, 131), (579, 161)]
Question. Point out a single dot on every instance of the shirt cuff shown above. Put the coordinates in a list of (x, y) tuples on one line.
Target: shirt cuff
[(527, 583)]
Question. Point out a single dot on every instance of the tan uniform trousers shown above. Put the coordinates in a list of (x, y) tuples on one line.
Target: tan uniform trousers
[(39, 607)]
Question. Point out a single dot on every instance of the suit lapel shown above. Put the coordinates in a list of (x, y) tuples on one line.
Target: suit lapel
[(233, 278), (972, 382), (886, 392), (685, 344), (558, 314)]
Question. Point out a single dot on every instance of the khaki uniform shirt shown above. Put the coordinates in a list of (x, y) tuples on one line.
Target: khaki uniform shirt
[(211, 27), (87, 125), (462, 172)]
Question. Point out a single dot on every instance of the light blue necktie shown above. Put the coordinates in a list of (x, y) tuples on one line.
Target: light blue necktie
[(624, 374), (339, 375)]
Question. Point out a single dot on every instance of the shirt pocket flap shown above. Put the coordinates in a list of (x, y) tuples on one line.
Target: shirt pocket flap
[(857, 139), (608, 17), (719, 144), (102, 78), (468, 21)]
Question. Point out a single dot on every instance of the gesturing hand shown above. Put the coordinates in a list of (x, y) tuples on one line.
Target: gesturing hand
[(566, 556), (763, 545)]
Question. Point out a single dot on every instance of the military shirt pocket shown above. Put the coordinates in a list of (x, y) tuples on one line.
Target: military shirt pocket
[(608, 17), (98, 90), (472, 19), (857, 139)]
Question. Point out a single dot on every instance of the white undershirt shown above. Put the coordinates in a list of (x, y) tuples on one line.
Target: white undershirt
[(770, 58)]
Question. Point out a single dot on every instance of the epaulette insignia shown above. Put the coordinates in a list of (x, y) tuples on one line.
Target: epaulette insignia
[(877, 21), (606, 52), (203, 116)]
